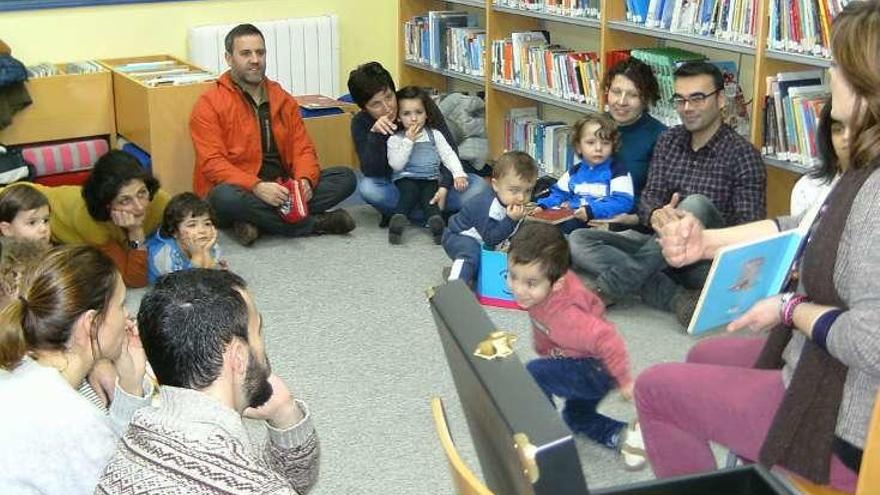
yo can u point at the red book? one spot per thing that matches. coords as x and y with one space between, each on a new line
552 216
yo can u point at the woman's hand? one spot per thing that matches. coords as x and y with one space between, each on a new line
764 315
439 198
102 379
384 125
132 225
681 240
461 183
131 364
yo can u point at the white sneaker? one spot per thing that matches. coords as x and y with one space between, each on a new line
632 449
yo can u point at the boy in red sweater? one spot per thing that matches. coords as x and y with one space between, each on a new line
582 356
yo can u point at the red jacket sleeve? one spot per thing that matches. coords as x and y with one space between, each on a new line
211 152
131 263
303 157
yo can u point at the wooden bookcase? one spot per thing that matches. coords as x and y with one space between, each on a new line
65 106
610 32
157 120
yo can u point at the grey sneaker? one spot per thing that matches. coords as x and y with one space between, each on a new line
684 304
245 233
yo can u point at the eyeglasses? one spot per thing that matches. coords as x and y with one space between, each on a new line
694 99
619 94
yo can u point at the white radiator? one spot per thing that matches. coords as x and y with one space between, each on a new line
301 54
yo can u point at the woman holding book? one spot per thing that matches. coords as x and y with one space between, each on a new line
802 397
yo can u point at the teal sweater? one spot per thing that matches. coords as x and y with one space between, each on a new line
636 148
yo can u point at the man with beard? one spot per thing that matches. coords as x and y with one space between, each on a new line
252 149
203 337
702 166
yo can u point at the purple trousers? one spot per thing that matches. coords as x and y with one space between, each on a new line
714 396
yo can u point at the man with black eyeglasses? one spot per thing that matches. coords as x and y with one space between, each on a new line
702 166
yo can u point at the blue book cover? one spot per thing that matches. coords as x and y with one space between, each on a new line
745 273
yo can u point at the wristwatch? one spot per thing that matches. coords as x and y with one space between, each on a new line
135 244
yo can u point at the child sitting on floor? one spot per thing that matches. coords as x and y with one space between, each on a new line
491 217
597 187
187 238
415 154
582 355
24 214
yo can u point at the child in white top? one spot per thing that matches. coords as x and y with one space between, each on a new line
415 153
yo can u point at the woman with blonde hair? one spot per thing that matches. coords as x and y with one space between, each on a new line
801 397
68 314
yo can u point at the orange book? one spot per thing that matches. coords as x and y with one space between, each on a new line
825 22
508 62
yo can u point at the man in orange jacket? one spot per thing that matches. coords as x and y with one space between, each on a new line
249 137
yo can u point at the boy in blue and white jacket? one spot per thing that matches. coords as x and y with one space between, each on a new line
491 217
596 187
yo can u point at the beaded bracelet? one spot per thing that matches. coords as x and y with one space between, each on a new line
788 309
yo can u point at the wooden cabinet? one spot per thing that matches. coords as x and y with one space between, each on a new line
65 106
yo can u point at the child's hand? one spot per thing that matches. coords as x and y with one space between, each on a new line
516 212
581 214
461 183
627 391
439 198
414 132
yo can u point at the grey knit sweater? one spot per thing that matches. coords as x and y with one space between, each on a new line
193 444
854 339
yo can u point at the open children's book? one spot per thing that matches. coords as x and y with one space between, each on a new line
552 216
745 273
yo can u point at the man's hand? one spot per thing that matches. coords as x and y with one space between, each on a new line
439 198
384 125
666 214
460 183
281 411
414 132
681 241
516 212
306 189
764 315
271 193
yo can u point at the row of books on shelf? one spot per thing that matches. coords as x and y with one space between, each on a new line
528 60
441 36
792 106
165 72
571 8
548 142
727 20
46 69
802 26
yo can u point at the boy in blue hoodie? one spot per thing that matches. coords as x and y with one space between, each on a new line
492 216
596 187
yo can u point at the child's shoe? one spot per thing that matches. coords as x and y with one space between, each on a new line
395 228
632 449
436 224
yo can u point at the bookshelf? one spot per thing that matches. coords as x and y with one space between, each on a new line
612 31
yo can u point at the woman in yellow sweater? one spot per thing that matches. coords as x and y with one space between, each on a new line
117 208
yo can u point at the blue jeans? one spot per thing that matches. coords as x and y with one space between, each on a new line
582 383
382 194
234 204
467 249
627 263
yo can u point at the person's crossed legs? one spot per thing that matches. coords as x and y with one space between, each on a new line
234 204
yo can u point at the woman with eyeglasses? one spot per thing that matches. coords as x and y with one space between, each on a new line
631 90
118 207
68 314
802 395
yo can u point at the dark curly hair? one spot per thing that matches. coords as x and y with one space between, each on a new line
367 80
113 171
542 243
182 206
607 130
641 76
